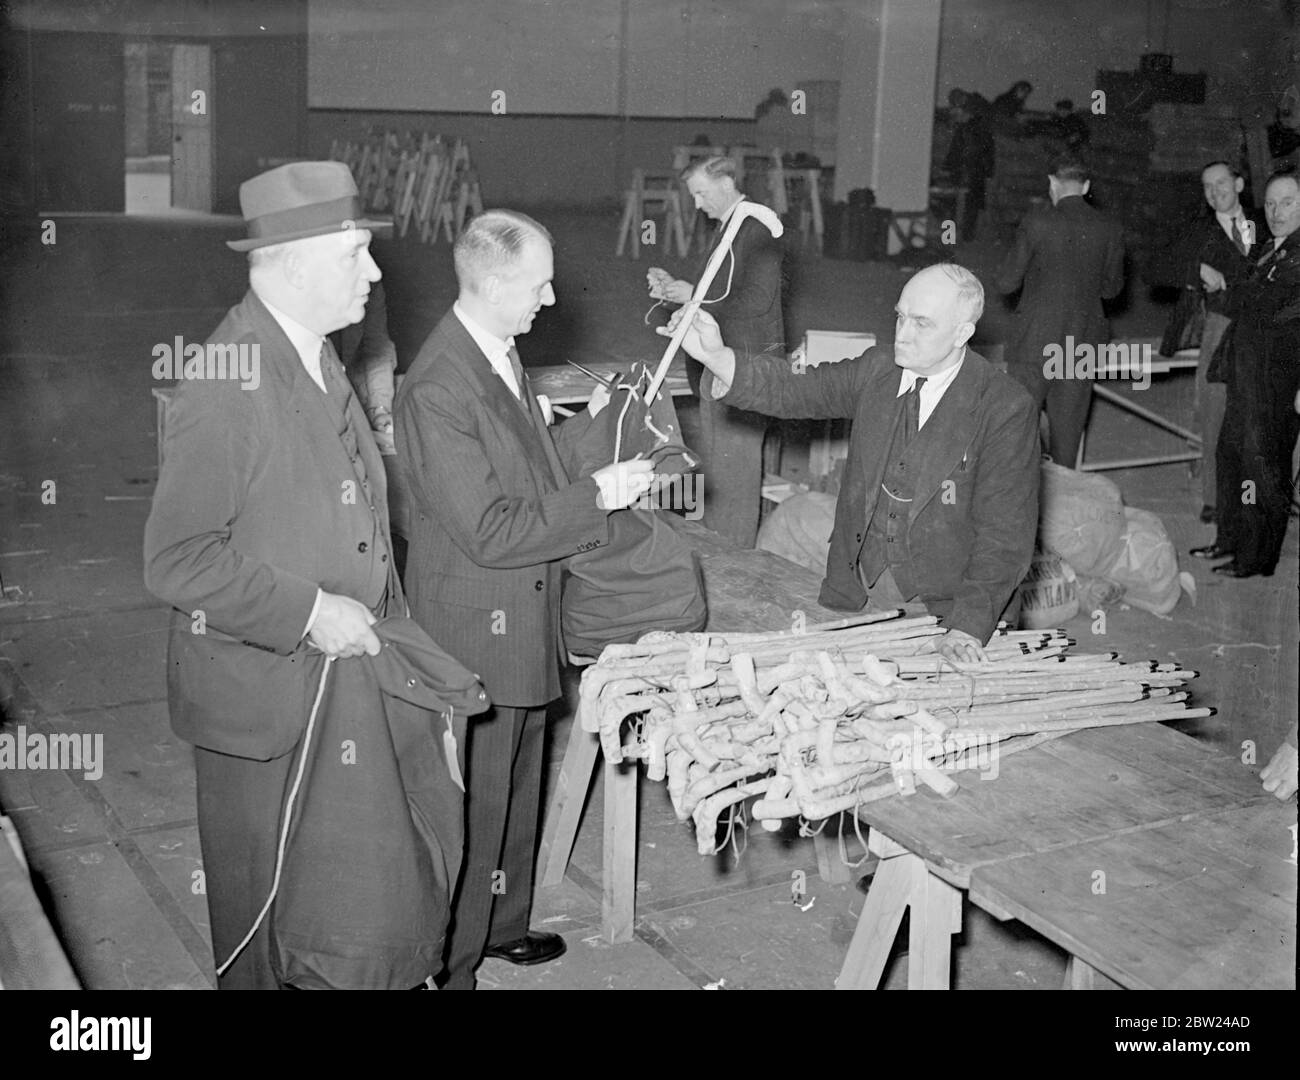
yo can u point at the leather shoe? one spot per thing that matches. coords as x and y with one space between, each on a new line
1210 551
532 948
1207 515
1232 570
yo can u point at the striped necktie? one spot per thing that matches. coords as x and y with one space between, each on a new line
518 369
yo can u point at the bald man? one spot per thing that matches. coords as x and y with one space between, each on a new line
940 496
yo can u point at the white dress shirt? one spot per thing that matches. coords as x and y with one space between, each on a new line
306 343
933 390
496 350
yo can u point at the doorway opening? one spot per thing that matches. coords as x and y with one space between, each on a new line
167 116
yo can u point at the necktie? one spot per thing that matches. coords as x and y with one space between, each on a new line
518 369
1239 236
912 410
1270 249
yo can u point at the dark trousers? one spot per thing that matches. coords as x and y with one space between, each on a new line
239 812
1254 476
1211 399
731 465
1067 401
503 786
973 204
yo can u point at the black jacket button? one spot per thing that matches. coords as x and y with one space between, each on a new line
538 586
363 547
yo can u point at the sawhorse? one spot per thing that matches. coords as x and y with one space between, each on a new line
618 858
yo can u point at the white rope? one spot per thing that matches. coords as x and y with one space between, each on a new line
288 818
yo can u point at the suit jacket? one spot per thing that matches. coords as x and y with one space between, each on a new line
249 518
1260 353
1209 244
750 315
969 542
1068 258
493 516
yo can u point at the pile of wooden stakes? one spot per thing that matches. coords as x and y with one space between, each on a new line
820 722
424 182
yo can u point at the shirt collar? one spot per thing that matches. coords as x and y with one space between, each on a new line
307 343
727 216
491 345
934 384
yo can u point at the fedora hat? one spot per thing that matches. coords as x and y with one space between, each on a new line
298 200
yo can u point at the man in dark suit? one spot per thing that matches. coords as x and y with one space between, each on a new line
745 299
1261 356
1067 259
940 496
971 157
269 530
493 517
1220 247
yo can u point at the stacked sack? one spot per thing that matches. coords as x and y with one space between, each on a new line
1114 550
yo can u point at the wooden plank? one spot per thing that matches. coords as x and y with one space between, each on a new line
565 812
935 917
1081 976
618 896
1157 746
1061 794
873 938
1174 777
1203 903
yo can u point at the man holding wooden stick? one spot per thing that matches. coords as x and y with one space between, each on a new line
940 497
745 299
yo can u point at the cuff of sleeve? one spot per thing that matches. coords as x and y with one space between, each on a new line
315 610
712 386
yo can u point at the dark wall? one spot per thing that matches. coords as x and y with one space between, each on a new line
540 160
79 146
57 157
260 110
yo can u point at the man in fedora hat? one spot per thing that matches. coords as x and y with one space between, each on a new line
269 533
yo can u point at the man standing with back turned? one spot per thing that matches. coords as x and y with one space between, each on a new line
1069 258
493 517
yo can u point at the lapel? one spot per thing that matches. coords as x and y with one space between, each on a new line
543 434
951 429
737 246
470 361
304 409
878 430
